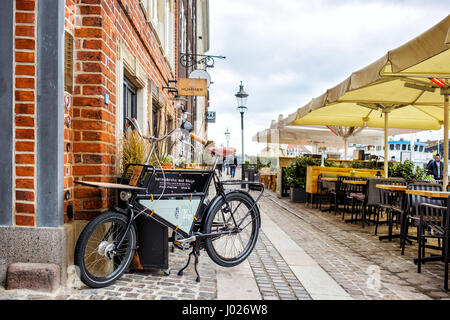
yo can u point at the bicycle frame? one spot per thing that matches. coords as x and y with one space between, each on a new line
190 194
140 200
177 199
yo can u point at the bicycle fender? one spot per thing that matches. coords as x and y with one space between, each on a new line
125 213
256 205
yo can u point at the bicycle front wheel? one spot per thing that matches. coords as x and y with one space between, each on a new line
100 261
235 229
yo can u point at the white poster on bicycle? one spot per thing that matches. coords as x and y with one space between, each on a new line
178 212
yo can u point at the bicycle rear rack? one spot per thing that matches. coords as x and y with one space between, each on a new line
257 186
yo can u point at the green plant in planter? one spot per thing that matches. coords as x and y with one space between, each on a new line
296 171
372 164
167 159
357 164
408 171
260 165
133 148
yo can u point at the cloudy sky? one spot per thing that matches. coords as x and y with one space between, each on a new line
288 52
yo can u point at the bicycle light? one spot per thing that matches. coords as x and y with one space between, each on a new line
125 195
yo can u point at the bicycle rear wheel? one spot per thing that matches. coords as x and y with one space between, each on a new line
100 262
240 226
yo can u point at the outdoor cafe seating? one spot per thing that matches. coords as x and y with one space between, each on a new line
376 201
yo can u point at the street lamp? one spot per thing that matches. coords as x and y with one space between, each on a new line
227 138
241 98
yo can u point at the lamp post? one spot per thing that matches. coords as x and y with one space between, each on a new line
241 98
227 138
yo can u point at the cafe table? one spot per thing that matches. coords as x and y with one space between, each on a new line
429 193
397 192
391 187
359 182
329 179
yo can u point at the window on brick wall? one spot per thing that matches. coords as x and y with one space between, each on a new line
170 127
129 101
155 121
161 15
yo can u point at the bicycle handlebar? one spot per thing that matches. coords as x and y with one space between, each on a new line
197 138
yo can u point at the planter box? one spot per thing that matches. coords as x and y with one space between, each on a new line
298 195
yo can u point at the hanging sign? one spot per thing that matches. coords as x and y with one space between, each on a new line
211 116
191 87
201 74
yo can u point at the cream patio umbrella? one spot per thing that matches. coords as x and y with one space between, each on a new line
329 136
406 88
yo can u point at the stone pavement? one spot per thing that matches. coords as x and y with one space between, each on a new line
301 254
364 266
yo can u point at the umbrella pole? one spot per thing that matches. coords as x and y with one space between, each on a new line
345 149
445 175
386 147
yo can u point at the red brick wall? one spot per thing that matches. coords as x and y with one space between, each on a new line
97 26
69 23
25 115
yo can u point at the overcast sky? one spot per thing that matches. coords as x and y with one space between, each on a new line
288 52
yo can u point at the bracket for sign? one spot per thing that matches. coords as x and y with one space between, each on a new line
170 88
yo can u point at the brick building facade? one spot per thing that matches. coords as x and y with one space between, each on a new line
74 69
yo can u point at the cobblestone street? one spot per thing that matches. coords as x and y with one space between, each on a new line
329 254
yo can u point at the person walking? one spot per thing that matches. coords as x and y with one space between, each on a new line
219 168
233 167
435 168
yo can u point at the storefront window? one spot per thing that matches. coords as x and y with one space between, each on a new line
155 122
129 101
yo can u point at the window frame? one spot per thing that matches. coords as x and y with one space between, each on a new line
128 86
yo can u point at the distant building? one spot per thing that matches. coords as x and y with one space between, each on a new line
435 147
401 150
295 150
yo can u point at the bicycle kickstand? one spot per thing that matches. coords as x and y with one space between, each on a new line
195 252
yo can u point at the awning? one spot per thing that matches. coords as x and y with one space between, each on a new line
327 136
393 92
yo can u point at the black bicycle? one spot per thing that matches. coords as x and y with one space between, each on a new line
226 226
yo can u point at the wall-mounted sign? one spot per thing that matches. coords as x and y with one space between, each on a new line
191 87
211 116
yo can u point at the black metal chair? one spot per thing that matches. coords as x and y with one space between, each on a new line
337 195
433 223
372 201
411 215
325 188
355 194
392 203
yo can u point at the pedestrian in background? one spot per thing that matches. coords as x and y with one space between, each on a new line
219 167
436 168
233 167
